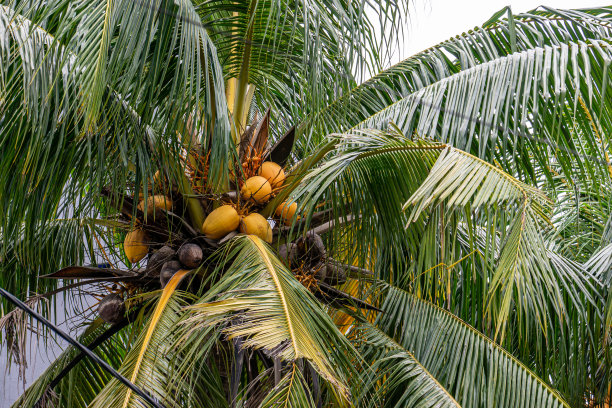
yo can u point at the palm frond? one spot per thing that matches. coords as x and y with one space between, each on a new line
396 379
600 264
297 56
102 90
259 301
502 35
291 391
49 247
495 121
86 379
147 363
369 176
459 179
474 369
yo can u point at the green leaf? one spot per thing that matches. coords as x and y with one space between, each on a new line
397 378
260 301
292 391
475 370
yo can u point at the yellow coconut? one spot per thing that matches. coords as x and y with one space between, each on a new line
135 245
273 173
221 222
155 202
286 212
256 224
256 189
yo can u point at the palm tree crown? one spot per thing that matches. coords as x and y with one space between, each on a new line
258 229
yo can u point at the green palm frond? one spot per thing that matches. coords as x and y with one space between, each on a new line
580 218
295 56
473 180
499 36
524 276
523 272
459 179
260 301
86 379
496 121
607 231
60 241
291 391
399 379
474 369
364 175
67 136
148 362
108 91
600 264
370 175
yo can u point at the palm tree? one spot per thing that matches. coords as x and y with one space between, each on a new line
437 236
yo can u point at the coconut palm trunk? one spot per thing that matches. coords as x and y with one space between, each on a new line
255 228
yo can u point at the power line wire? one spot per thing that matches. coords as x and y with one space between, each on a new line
137 390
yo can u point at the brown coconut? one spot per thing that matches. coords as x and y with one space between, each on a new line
309 250
168 271
190 255
157 259
111 308
284 253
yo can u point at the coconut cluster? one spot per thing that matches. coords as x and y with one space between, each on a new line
231 214
243 215
169 235
161 267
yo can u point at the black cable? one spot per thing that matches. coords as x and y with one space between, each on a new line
146 396
115 328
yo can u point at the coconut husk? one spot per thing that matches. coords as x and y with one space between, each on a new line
168 270
157 260
112 308
284 253
190 255
331 274
308 250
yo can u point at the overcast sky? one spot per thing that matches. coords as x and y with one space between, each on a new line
432 21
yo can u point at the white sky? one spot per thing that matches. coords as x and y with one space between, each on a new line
433 21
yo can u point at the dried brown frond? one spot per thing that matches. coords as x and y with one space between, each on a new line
16 325
49 399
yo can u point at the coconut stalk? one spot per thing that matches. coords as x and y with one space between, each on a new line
194 207
297 174
244 92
